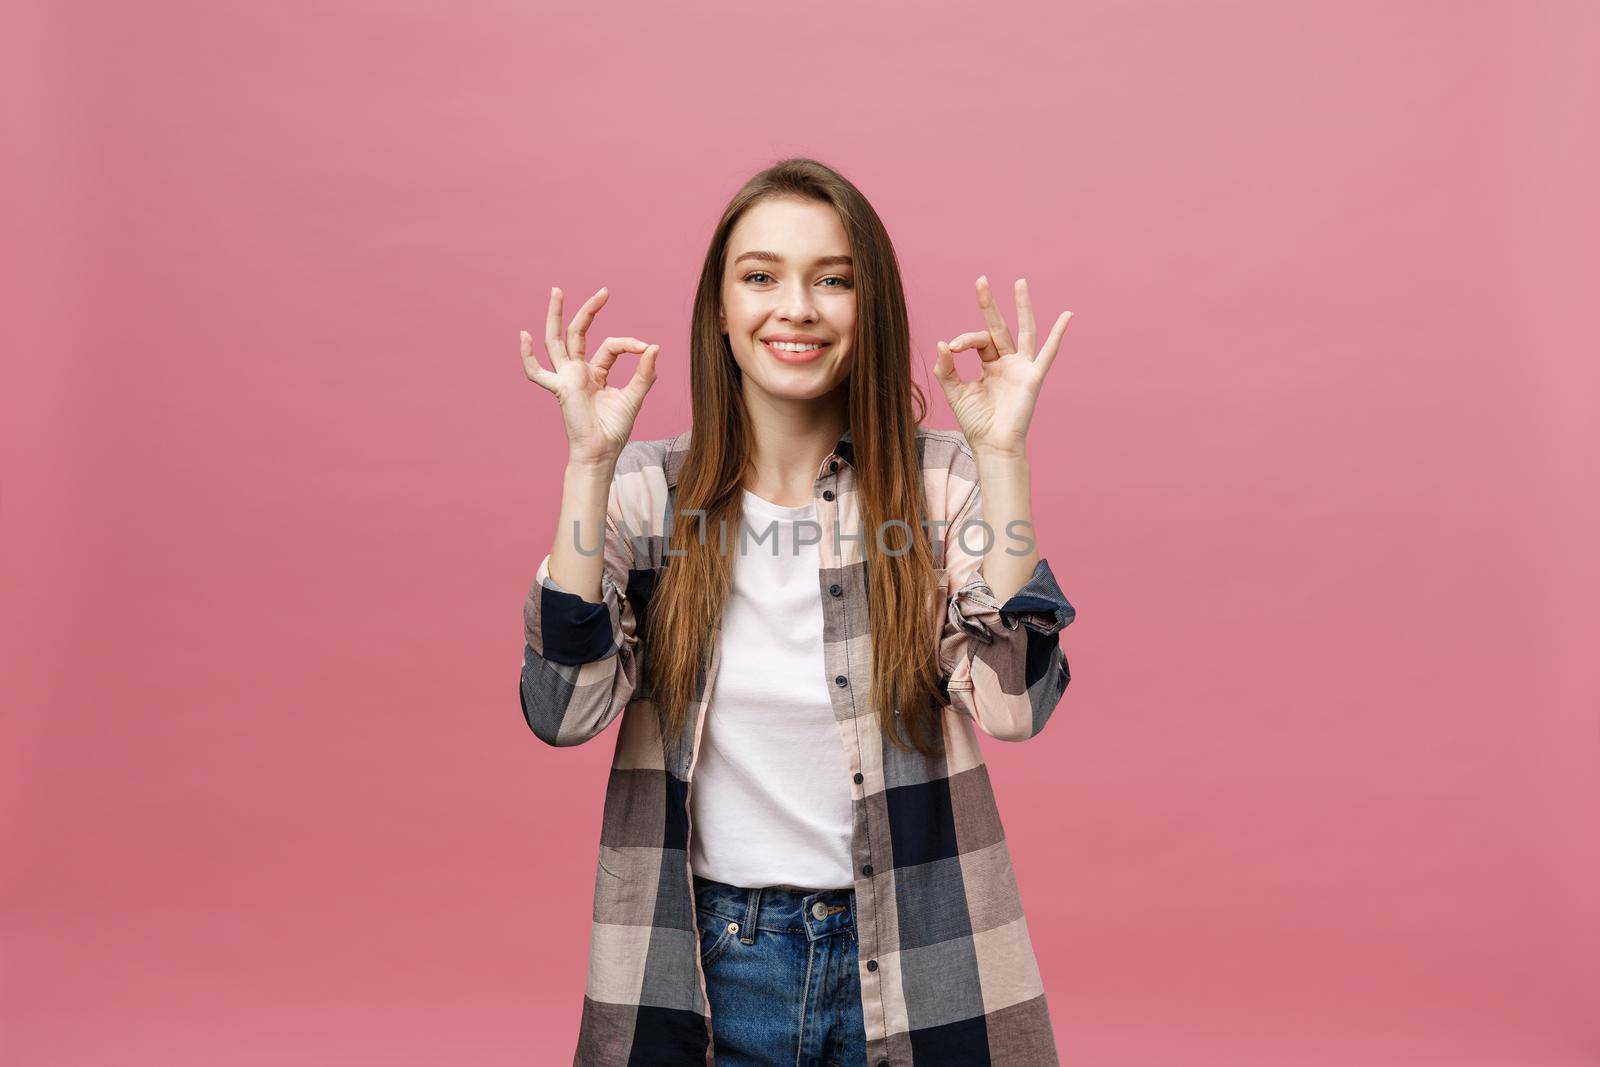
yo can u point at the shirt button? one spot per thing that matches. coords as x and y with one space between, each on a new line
858 777
836 589
839 680
827 494
833 465
867 870
872 965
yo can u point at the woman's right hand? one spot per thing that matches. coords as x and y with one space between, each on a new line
598 417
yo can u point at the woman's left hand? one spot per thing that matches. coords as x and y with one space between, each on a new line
994 409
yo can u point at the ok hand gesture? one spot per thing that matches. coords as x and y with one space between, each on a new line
994 409
598 417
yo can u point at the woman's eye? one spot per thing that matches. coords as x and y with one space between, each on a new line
760 275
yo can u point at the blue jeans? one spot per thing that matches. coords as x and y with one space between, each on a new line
780 965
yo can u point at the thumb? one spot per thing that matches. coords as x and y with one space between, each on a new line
944 369
644 376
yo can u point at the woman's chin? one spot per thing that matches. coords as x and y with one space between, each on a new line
794 386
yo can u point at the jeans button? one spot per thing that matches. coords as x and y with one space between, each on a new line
733 928
819 910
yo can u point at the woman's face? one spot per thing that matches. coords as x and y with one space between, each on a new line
788 276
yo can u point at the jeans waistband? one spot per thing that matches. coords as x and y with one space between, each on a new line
779 909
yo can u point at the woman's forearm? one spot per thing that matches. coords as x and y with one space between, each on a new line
1007 496
585 489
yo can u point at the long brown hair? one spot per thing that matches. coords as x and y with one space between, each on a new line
687 604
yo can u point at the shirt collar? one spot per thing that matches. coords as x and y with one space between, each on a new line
844 449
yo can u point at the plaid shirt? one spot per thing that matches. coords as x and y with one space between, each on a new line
948 974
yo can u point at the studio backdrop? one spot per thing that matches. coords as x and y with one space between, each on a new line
1315 465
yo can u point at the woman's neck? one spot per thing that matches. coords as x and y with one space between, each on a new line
790 439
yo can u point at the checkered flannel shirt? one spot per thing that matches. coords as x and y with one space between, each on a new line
947 969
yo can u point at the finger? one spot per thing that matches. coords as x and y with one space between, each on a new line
612 348
1047 354
944 369
581 321
991 315
644 376
530 362
552 330
979 339
1025 323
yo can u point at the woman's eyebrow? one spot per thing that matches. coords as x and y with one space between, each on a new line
773 257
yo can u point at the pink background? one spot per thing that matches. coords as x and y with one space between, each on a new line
1316 465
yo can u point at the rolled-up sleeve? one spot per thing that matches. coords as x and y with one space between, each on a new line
580 660
1004 663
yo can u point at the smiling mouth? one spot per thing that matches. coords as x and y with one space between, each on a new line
787 355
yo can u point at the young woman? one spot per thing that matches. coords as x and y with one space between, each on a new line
802 607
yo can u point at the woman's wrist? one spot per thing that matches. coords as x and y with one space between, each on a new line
591 470
1002 468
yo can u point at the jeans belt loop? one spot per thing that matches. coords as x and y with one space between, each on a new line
752 911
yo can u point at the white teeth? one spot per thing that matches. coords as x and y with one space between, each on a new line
792 346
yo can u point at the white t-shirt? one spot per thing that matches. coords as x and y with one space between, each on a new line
770 802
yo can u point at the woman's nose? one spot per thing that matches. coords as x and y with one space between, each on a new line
798 309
